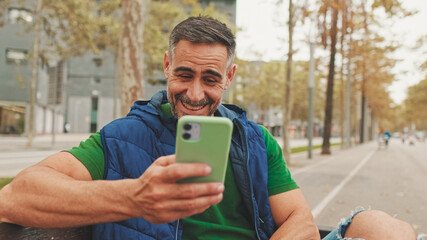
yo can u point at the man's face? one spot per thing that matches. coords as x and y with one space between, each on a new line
197 76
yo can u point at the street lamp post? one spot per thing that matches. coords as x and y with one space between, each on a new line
310 100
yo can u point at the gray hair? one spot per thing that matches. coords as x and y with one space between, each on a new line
203 30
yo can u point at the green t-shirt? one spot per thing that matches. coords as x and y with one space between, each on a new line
227 220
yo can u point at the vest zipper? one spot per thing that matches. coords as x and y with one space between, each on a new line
177 229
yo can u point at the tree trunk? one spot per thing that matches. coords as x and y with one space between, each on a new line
342 100
363 97
131 53
34 68
116 93
330 87
288 87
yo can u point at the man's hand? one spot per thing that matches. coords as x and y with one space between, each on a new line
159 199
58 192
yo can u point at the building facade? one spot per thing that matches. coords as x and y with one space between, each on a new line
80 95
15 78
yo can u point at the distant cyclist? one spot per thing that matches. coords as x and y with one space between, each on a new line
386 137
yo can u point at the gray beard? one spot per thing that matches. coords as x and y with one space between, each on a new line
179 97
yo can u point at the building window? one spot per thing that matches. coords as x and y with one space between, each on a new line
97 61
56 83
17 56
19 15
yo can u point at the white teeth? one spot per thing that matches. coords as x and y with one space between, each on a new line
192 108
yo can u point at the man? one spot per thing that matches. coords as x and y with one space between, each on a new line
135 194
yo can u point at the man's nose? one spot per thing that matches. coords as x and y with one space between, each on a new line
195 91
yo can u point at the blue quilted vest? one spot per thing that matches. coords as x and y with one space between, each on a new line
131 144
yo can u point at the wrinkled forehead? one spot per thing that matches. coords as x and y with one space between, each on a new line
188 48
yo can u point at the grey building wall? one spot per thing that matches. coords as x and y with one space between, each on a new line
90 76
15 77
79 111
13 37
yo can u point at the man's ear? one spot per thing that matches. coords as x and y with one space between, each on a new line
166 65
230 75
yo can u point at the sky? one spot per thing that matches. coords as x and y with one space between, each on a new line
263 36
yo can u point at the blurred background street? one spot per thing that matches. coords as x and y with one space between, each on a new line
62 78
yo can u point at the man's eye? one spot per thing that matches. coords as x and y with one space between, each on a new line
209 80
185 76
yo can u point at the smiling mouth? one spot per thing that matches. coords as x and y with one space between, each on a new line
192 107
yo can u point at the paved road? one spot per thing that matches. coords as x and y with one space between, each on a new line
393 180
14 156
40 143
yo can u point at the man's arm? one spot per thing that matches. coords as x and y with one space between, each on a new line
293 216
59 192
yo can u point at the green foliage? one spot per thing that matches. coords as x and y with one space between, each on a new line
369 52
300 93
391 7
196 10
160 22
68 27
373 63
305 148
416 105
162 17
263 83
108 25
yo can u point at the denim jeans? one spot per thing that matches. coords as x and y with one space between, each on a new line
338 233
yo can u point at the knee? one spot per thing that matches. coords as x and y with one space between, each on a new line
374 224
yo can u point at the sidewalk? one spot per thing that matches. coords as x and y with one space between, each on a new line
304 141
42 142
66 141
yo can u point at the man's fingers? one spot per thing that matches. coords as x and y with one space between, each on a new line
175 171
187 191
176 209
178 171
197 205
188 205
194 190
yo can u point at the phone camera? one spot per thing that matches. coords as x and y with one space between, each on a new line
187 126
186 136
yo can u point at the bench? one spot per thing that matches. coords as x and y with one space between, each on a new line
16 232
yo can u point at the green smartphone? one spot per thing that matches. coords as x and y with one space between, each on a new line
202 139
